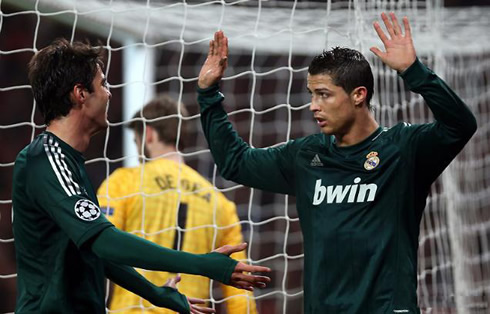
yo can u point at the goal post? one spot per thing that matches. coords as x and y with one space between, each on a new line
138 64
163 45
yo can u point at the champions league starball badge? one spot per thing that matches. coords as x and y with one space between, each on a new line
87 210
372 161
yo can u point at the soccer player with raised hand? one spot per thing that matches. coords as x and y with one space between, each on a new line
64 247
360 188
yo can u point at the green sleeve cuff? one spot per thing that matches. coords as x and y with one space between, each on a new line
416 74
219 268
210 96
172 299
130 279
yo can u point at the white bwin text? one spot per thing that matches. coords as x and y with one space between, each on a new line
337 193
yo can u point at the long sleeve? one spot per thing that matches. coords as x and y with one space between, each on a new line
269 169
130 279
127 249
436 144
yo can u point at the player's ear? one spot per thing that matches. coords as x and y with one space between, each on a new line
358 95
137 140
150 134
78 94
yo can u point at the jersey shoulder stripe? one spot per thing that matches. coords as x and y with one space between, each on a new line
404 130
65 167
380 134
312 142
56 159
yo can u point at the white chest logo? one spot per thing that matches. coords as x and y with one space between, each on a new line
87 210
352 193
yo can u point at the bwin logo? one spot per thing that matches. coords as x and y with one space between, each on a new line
338 193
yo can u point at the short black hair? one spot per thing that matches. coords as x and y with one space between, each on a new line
56 69
347 67
167 128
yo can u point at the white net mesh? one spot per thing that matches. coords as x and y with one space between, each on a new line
271 44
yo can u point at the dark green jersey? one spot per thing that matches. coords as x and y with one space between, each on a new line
359 206
55 213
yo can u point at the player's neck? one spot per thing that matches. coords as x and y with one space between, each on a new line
168 152
358 132
70 132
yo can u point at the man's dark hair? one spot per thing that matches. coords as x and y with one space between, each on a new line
56 69
347 67
157 111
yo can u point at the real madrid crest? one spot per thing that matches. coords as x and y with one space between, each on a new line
372 161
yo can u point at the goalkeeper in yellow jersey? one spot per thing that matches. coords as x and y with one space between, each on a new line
160 194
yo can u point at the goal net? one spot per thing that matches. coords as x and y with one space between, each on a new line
157 46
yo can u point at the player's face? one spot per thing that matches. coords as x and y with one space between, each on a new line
98 100
332 107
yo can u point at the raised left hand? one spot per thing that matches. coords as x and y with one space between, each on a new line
400 51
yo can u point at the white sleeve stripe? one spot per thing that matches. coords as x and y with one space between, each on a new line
53 148
60 167
65 168
62 170
53 166
77 187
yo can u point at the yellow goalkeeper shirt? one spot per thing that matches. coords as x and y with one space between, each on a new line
151 201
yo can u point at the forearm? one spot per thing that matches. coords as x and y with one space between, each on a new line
131 280
448 109
235 159
225 144
127 249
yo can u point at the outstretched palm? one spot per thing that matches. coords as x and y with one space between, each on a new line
241 277
400 52
216 62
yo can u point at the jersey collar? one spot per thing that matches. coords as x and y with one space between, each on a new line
361 146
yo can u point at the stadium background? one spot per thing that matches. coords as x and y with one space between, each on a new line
276 241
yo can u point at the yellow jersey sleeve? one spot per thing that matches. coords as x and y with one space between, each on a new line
113 195
237 300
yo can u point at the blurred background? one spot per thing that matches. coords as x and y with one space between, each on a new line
156 46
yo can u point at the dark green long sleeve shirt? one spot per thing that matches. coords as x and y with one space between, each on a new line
63 243
359 206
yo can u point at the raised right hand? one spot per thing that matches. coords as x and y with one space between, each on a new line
216 62
400 51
